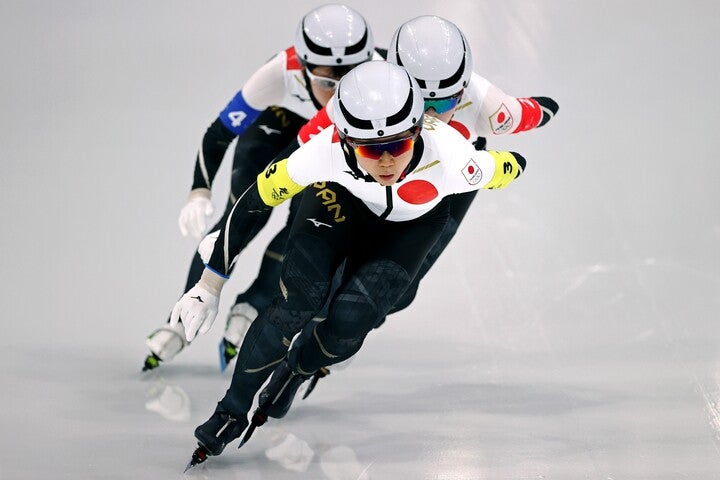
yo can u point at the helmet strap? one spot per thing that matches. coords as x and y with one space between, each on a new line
309 89
352 162
418 150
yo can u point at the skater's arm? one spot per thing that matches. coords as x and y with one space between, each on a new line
508 166
502 114
264 88
246 219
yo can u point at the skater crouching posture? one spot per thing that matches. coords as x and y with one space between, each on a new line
436 53
265 116
377 188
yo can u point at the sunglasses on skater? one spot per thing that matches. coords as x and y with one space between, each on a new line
442 105
323 83
374 151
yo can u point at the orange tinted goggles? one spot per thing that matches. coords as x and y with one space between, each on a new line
374 151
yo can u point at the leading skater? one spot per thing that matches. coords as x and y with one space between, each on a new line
378 188
437 54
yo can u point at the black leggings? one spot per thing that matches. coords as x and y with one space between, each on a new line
381 259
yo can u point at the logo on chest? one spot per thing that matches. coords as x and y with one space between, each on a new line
329 199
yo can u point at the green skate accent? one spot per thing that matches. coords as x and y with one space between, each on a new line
151 361
227 351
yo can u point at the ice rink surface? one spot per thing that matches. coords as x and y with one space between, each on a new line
570 331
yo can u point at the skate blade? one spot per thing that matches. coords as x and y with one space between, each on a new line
258 419
198 457
310 387
323 372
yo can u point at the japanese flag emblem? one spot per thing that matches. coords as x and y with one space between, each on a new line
501 121
472 172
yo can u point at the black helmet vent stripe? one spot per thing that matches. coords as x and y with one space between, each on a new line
353 120
448 82
327 52
397 50
314 47
358 47
404 112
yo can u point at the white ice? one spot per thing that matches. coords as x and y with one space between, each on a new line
569 332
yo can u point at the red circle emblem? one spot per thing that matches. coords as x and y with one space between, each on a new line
462 129
501 117
417 192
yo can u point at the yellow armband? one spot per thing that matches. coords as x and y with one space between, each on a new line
275 185
508 166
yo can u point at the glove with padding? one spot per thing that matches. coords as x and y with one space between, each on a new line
193 214
198 308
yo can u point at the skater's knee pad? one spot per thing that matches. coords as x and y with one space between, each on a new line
354 311
366 299
266 346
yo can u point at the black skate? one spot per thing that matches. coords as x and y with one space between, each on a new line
213 435
275 399
323 372
221 429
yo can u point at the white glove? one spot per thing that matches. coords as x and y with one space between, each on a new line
192 215
197 309
207 245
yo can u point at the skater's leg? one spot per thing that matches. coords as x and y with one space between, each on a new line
459 205
377 279
311 259
259 295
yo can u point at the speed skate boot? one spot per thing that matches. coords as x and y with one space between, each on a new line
238 321
277 397
221 429
164 344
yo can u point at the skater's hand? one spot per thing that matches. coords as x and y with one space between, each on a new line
193 214
197 310
549 109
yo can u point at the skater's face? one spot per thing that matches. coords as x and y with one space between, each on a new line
385 159
323 82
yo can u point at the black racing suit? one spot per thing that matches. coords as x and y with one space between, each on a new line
381 259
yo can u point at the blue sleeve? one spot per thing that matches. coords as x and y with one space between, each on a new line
238 115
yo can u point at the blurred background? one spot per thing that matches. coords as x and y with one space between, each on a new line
570 331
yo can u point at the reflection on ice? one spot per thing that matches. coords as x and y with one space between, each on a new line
341 463
290 451
170 401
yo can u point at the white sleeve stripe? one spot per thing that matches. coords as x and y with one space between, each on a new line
203 168
226 238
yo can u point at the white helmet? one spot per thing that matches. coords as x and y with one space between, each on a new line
333 35
435 52
377 99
